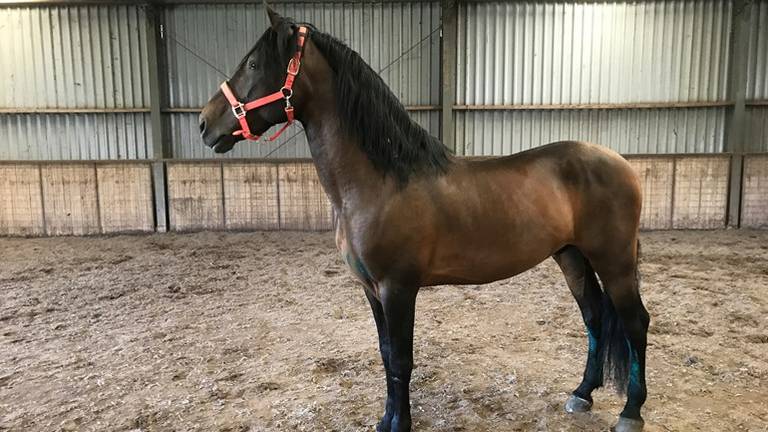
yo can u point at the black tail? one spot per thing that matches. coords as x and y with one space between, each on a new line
614 345
613 348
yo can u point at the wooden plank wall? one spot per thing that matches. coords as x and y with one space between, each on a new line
21 202
303 203
195 196
251 196
125 197
70 200
75 198
246 195
754 204
683 192
656 176
680 192
701 192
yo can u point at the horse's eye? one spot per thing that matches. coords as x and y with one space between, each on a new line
252 65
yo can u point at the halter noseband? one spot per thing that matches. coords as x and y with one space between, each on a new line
239 109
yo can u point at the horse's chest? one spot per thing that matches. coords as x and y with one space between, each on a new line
353 260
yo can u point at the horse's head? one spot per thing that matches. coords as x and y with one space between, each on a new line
262 72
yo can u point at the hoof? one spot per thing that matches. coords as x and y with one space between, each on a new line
575 404
628 425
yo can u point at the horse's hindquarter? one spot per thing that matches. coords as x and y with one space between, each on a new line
496 218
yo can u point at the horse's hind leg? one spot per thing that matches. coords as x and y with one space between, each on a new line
627 333
583 283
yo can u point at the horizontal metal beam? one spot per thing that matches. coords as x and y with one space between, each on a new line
102 2
639 105
73 110
74 161
12 3
8 3
606 106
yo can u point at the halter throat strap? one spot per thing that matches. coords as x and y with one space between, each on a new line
240 109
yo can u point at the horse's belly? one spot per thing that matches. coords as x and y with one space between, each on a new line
481 259
467 270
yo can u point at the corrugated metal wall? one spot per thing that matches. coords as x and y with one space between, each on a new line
75 136
74 58
757 79
557 53
646 131
94 58
204 38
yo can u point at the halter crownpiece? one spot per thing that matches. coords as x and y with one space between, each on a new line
239 109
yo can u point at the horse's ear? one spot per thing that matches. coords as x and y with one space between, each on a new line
274 18
284 29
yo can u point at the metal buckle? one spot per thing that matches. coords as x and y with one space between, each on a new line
239 110
287 93
293 66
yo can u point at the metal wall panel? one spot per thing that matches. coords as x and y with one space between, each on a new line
74 136
655 131
206 42
756 140
429 120
564 53
592 52
73 57
757 79
757 69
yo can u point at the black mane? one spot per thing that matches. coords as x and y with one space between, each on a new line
369 111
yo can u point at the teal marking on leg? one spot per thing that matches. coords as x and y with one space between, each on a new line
357 266
634 367
592 341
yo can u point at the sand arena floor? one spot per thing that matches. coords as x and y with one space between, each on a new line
269 332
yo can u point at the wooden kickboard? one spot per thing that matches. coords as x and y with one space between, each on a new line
250 196
701 192
303 203
125 197
754 211
195 196
21 204
70 199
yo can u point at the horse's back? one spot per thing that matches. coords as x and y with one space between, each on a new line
590 189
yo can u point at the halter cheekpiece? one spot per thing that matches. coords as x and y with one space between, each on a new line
239 109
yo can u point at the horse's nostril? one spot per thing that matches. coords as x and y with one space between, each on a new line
202 127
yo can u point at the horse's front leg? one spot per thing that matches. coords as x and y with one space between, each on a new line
399 304
381 327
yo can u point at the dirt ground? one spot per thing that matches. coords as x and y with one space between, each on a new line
269 332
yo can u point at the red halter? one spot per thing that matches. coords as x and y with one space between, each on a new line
239 109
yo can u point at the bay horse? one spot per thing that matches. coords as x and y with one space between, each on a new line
408 214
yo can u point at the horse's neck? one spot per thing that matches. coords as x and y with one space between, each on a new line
345 172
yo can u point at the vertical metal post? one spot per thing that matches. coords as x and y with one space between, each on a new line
160 147
449 18
735 122
160 193
154 50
